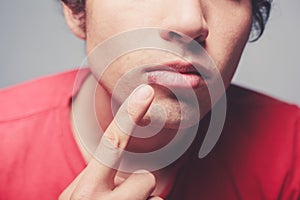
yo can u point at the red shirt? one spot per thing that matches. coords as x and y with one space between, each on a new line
257 156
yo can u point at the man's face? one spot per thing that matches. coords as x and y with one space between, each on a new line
221 27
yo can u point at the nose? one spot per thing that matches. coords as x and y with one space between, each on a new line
185 18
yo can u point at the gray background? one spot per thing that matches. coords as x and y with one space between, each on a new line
35 41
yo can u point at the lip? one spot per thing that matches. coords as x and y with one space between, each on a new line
178 74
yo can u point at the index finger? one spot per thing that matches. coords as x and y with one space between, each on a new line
100 172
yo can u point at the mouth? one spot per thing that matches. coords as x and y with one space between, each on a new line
178 74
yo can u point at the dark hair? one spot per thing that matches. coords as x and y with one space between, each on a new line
261 12
260 9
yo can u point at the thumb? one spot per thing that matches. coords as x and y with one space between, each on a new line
140 184
154 198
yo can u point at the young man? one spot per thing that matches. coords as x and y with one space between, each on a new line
49 125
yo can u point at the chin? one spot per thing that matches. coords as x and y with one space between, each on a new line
171 114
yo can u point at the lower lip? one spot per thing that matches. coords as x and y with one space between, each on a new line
175 79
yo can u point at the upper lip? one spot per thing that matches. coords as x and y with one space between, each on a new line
183 68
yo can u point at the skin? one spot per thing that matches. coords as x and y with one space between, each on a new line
222 28
214 22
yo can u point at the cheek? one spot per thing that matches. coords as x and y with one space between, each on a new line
100 22
125 71
227 39
107 18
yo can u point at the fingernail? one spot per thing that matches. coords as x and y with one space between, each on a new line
143 92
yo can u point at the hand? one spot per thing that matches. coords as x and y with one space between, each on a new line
97 181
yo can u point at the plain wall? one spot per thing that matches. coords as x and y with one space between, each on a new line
35 41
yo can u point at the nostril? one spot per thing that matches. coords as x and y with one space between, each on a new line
174 35
170 35
201 39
